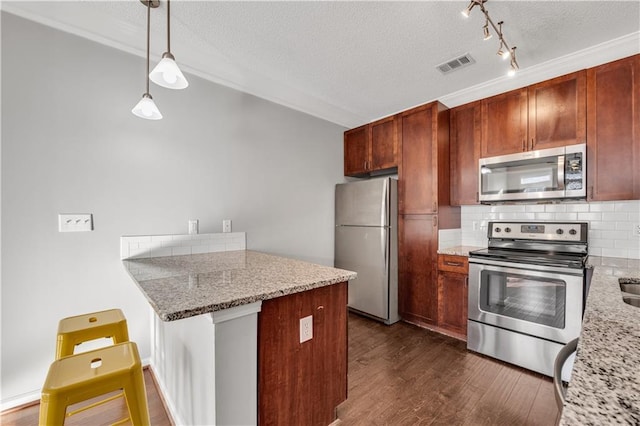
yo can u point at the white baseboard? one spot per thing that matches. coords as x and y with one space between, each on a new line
169 404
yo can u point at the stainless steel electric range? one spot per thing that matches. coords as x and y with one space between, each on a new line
527 291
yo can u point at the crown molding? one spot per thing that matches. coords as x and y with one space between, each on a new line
599 54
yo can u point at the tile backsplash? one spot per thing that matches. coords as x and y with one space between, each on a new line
613 225
142 246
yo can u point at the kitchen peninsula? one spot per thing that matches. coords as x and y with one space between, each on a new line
226 336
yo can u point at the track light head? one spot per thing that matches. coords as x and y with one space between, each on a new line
485 29
467 11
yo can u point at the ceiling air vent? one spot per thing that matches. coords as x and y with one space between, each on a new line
456 64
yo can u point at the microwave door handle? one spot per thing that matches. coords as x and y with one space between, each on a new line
561 172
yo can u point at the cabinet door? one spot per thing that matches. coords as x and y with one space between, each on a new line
504 123
417 286
613 142
384 144
557 112
465 151
452 300
356 151
302 383
418 167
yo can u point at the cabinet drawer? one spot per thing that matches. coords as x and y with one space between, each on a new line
451 263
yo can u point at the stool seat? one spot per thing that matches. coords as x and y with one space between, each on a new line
82 328
83 376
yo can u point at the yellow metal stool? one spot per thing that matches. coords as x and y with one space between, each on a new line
86 375
82 328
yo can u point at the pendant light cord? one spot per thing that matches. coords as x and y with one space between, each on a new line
168 26
148 39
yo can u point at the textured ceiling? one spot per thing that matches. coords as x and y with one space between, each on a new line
348 62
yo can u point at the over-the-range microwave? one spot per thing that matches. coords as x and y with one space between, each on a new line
554 173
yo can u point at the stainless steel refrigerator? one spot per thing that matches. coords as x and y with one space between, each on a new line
366 241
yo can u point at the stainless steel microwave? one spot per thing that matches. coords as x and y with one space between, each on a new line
554 173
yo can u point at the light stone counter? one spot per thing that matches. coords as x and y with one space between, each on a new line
459 250
184 286
605 382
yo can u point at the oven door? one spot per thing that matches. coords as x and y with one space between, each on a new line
536 300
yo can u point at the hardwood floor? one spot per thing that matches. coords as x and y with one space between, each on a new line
404 375
398 375
105 414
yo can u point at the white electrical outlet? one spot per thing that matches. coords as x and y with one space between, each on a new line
306 328
226 225
78 222
193 226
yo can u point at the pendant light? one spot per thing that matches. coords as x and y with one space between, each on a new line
166 73
146 108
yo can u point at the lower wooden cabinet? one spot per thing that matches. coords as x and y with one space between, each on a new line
453 283
302 383
417 247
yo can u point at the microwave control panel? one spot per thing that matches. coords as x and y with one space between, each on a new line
548 231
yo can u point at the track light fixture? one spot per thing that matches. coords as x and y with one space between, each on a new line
504 51
146 108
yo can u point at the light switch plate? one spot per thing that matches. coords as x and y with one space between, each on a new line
226 225
75 222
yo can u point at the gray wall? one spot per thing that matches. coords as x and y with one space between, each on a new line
71 145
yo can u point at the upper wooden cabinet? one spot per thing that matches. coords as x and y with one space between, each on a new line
613 133
504 123
371 148
423 172
356 151
465 133
544 115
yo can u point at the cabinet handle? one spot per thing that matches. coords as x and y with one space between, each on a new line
435 221
446 262
434 206
591 192
477 197
524 142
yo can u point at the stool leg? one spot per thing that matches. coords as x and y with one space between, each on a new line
136 398
52 411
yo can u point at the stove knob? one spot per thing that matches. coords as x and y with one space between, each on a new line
497 229
559 231
573 232
507 229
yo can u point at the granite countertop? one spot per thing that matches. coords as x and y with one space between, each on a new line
458 250
184 286
605 382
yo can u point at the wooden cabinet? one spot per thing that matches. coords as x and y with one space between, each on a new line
285 395
453 282
417 287
504 123
424 207
423 172
371 148
613 143
557 112
465 133
356 151
545 115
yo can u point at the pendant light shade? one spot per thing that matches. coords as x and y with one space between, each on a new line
166 73
146 108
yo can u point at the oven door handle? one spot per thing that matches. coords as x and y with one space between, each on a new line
527 266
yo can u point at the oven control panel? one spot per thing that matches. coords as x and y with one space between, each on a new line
548 231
